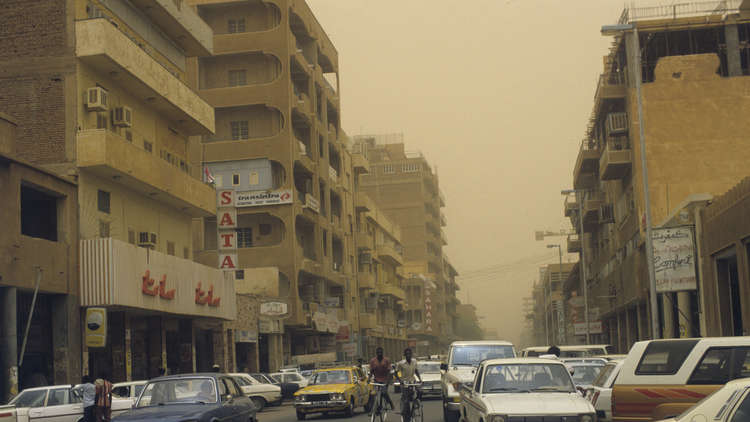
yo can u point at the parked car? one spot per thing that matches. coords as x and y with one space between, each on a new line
290 378
431 374
128 390
584 374
191 397
287 388
523 389
261 394
662 378
593 361
58 403
464 357
730 403
340 389
572 351
600 393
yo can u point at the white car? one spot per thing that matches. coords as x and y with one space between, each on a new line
463 360
431 374
523 389
291 378
584 374
57 403
577 351
600 393
128 390
260 393
730 403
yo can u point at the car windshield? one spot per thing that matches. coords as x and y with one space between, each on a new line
428 367
34 398
261 378
586 374
276 377
331 377
601 379
241 381
473 354
510 378
181 390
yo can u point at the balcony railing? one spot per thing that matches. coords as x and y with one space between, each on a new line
616 158
332 173
586 164
574 243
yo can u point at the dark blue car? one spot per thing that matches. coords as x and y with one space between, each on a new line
191 398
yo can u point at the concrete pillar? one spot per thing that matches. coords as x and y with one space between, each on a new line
8 344
66 339
275 351
668 328
685 324
220 348
734 65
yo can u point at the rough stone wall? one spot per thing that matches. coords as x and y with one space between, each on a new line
32 28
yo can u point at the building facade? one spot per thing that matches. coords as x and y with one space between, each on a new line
273 81
405 187
38 273
692 72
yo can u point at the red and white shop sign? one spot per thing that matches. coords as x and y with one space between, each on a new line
228 261
227 240
227 218
225 198
226 222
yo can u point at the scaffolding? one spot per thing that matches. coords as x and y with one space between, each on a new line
679 10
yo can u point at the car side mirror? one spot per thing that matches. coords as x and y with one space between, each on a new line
443 366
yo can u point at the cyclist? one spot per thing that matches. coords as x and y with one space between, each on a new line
409 372
380 369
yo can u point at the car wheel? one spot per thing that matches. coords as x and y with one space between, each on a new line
259 403
350 408
300 416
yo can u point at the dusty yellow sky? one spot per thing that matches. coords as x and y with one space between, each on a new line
496 94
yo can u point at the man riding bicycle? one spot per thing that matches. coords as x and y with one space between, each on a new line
380 369
409 373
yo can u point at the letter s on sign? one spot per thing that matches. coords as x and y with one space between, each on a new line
225 198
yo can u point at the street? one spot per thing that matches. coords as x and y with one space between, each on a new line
433 412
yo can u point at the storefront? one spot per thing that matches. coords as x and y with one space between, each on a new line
162 311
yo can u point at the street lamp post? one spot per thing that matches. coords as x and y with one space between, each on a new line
584 282
559 276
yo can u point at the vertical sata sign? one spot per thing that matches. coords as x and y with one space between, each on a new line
226 225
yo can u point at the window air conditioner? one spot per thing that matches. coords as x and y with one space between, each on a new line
606 214
122 116
96 99
147 239
617 123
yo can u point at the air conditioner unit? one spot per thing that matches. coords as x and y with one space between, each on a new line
97 99
617 123
606 214
147 239
122 116
365 258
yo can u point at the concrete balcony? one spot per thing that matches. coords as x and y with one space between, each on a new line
368 321
443 237
180 22
366 280
574 243
591 205
360 164
611 87
302 103
391 290
362 202
364 240
586 164
616 160
105 48
571 205
391 253
110 156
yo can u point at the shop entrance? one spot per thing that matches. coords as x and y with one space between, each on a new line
263 352
37 368
729 295
204 350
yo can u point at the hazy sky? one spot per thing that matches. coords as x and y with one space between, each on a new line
496 94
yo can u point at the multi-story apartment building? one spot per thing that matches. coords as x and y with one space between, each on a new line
382 298
405 187
98 88
273 80
694 58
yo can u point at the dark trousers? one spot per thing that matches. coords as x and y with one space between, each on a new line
88 413
103 414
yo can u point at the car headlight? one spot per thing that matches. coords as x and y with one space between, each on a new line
337 396
587 418
498 418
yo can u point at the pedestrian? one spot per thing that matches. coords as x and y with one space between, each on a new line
216 368
554 350
87 391
103 398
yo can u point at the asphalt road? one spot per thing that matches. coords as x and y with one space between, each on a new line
433 412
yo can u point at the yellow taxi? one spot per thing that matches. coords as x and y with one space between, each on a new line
340 389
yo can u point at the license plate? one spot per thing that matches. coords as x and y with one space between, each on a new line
319 403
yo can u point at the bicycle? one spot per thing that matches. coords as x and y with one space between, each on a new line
379 412
414 412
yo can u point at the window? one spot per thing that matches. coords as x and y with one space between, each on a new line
721 365
237 77
170 248
186 253
664 357
245 237
235 180
742 413
478 380
254 178
34 398
148 146
264 229
388 169
102 201
239 130
38 214
101 121
239 275
103 228
131 237
58 396
235 25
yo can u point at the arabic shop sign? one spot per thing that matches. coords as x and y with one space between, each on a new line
674 259
260 198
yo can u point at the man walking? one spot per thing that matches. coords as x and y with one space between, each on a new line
380 369
88 398
103 398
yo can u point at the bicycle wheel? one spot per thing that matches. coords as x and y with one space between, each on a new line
417 414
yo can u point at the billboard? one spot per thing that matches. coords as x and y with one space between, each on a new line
674 259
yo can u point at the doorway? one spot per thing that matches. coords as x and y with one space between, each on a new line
728 291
